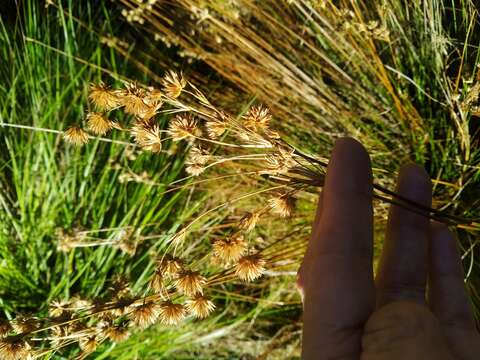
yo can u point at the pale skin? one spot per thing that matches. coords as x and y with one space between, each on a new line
417 306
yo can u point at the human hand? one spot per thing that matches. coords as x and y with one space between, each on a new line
348 315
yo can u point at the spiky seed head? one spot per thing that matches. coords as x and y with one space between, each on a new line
229 250
58 308
156 283
14 349
249 221
283 205
76 136
5 328
182 127
88 344
148 136
145 314
190 282
200 306
173 84
198 155
250 267
24 324
257 118
132 100
104 98
171 313
116 333
194 169
98 123
215 129
171 265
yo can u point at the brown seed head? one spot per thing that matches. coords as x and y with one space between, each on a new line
249 220
183 127
132 100
24 324
104 98
76 136
215 129
88 344
5 327
190 283
14 349
98 123
148 136
200 306
145 314
250 267
171 314
257 118
170 265
58 308
116 333
230 250
282 205
156 283
173 84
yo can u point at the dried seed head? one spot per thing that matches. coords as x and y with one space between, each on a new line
5 328
103 97
230 250
215 129
145 314
280 162
170 265
200 306
173 84
148 136
88 344
190 283
171 314
250 267
132 100
98 123
156 283
76 136
58 308
198 155
116 333
249 220
282 205
183 127
257 118
194 169
24 324
14 349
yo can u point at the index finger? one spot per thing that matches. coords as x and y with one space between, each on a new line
337 270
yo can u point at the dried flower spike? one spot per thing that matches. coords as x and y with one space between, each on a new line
5 328
88 344
14 349
116 333
76 136
249 220
215 129
173 84
156 283
148 136
257 118
132 100
98 123
283 205
183 127
190 282
170 265
171 314
250 267
200 306
230 250
103 97
145 314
